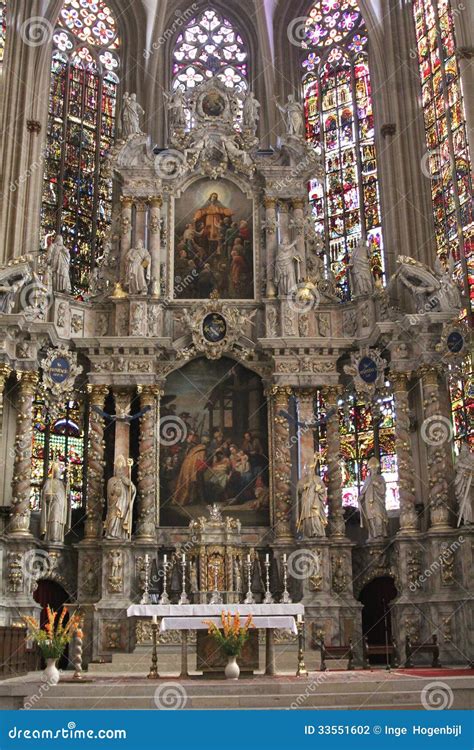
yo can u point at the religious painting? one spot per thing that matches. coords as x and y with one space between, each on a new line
213 247
214 444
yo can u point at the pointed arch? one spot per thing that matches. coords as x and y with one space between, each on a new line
340 120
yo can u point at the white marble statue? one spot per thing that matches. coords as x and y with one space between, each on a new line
292 111
59 263
55 517
193 578
130 115
176 103
237 578
362 280
121 494
285 269
449 288
463 485
373 513
312 496
250 112
138 269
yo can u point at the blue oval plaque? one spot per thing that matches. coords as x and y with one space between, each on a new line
214 328
368 370
455 342
59 369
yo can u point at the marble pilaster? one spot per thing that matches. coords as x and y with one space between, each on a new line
19 522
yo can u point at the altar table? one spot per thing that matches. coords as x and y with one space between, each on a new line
187 617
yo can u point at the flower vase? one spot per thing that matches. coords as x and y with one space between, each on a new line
232 669
51 674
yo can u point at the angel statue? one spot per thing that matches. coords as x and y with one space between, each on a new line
285 270
55 518
130 115
312 496
176 103
250 112
121 493
373 513
463 473
292 111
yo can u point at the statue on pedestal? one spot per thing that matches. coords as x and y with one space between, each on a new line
285 269
59 263
138 269
464 471
130 115
55 518
373 513
292 111
176 103
362 280
250 113
121 493
312 496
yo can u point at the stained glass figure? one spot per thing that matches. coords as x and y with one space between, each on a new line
77 194
461 391
448 162
339 117
3 29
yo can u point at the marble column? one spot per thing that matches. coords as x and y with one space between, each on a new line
405 463
95 467
306 436
298 220
283 221
147 467
435 433
336 516
19 522
281 452
125 232
155 245
123 401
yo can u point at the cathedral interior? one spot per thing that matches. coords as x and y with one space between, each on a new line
236 295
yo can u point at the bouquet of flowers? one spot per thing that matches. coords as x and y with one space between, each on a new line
54 637
232 636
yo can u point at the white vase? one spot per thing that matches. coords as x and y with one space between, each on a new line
232 669
51 674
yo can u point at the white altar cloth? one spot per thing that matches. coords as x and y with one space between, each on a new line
197 623
214 610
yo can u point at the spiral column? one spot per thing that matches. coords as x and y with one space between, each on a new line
95 468
281 456
19 522
436 431
147 468
155 245
336 517
405 463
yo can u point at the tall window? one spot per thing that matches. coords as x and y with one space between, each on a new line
209 46
365 431
461 390
449 160
339 118
77 194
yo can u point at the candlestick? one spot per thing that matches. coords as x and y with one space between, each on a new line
146 585
268 598
301 670
249 598
285 597
164 598
153 673
183 599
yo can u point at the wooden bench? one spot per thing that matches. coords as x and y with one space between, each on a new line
388 650
418 647
334 652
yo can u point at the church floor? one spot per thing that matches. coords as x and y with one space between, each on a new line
356 690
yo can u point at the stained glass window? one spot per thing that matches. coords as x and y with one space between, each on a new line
339 118
62 441
3 29
209 46
365 431
77 194
461 388
448 160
